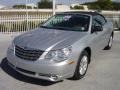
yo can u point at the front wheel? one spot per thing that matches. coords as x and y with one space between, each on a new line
82 66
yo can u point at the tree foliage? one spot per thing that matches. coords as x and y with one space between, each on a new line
103 5
116 6
21 7
45 4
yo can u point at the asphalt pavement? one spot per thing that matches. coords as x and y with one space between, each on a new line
103 72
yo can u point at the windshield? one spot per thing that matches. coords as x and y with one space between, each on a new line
74 22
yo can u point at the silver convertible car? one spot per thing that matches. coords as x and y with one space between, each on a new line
62 47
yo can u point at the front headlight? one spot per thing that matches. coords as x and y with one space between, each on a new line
59 55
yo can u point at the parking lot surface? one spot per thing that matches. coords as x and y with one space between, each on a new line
103 73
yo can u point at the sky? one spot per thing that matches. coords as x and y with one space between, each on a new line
13 2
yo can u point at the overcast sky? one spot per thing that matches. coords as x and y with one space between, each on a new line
12 2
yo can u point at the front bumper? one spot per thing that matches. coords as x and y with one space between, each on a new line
42 69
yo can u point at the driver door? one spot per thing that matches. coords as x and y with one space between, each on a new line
98 37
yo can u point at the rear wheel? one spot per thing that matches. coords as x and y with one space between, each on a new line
108 47
82 66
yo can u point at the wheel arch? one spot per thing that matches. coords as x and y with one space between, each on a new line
88 50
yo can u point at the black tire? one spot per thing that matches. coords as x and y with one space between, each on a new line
77 74
108 47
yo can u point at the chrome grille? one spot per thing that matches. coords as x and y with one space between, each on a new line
27 54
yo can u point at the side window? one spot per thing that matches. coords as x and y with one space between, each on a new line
100 19
95 23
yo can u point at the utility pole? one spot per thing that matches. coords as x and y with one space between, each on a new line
54 3
27 15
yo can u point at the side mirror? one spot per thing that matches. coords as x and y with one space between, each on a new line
96 29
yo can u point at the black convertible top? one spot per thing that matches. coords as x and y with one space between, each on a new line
83 12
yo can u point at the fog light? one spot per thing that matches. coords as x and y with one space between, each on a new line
54 77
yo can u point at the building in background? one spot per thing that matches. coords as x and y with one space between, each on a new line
85 7
2 6
32 5
62 7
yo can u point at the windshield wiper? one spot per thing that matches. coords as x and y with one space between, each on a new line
44 27
54 28
61 28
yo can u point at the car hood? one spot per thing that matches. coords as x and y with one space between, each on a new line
43 39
